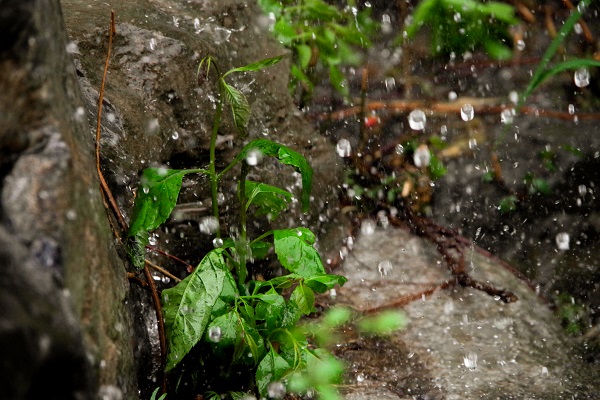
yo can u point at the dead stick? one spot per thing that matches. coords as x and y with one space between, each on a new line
162 271
161 325
103 183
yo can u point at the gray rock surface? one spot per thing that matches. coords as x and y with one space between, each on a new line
460 343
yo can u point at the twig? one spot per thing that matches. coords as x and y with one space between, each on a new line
190 267
163 271
161 325
103 184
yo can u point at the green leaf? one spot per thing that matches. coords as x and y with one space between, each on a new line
259 249
384 323
271 369
551 50
254 342
322 283
240 108
270 309
156 198
304 298
227 297
286 156
436 168
560 67
295 252
336 316
304 55
270 200
256 66
508 204
187 307
137 249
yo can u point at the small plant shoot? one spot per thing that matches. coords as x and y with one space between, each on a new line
249 322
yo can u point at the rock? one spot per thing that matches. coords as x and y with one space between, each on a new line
460 343
64 329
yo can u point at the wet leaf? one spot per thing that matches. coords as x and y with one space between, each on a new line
304 298
295 252
270 200
187 306
260 249
304 55
508 204
254 342
436 168
240 108
137 249
271 369
286 156
256 66
230 327
270 309
155 199
384 323
322 283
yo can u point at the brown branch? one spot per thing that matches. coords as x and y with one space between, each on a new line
161 325
162 271
103 184
190 267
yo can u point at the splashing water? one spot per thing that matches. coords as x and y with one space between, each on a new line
416 120
507 116
466 112
254 157
276 390
368 227
470 360
209 225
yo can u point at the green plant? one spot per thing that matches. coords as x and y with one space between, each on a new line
153 397
458 26
320 33
250 322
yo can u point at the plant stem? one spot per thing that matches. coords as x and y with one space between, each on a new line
214 181
242 270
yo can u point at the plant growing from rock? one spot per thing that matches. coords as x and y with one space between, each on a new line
252 322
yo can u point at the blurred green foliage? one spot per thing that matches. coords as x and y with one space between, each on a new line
320 36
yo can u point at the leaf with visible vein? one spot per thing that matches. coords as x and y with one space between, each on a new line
270 200
187 306
256 66
240 108
295 252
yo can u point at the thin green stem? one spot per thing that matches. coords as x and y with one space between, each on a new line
261 237
212 172
242 269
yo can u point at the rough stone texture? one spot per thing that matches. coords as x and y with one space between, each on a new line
521 350
64 329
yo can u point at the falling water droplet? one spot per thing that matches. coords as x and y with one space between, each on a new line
209 225
152 44
466 112
146 189
581 7
422 156
520 45
470 360
513 96
582 77
416 120
385 267
214 333
571 109
452 95
217 242
562 241
175 135
506 116
343 148
582 189
254 157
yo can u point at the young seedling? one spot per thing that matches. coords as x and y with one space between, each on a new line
251 321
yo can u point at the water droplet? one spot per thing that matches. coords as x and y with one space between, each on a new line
582 189
152 126
165 279
470 360
457 17
513 96
399 149
71 214
214 333
452 95
175 135
368 227
571 109
276 390
146 189
466 112
581 7
544 370
507 116
416 120
152 44
385 267
360 378
562 241
176 22
343 148
422 156
390 83
520 45
196 23
217 242
209 225
332 293
254 157
582 77
577 28
472 143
